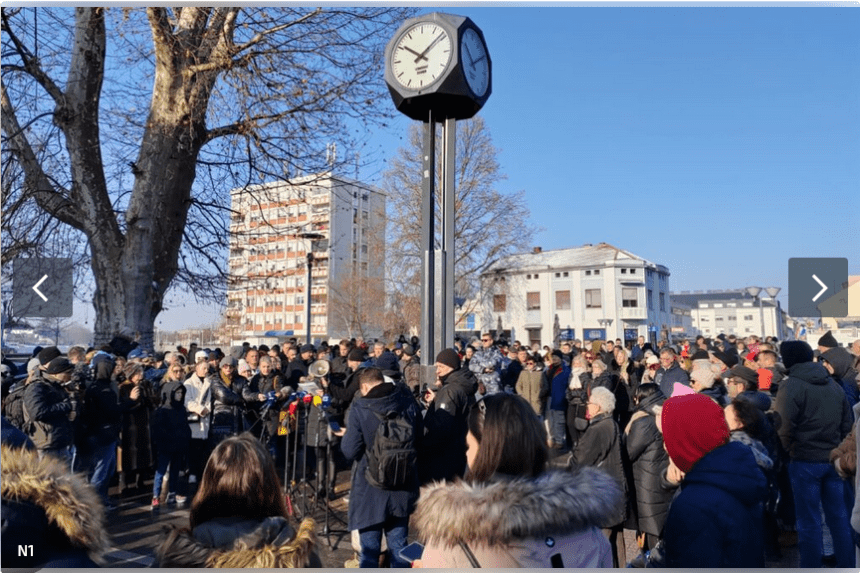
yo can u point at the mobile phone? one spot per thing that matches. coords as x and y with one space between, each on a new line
412 552
334 426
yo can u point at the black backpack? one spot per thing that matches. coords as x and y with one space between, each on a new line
392 459
13 407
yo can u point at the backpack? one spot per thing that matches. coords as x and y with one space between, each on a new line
13 407
392 459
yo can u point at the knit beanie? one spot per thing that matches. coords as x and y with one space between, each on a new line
693 425
795 352
704 376
449 357
727 358
828 340
356 355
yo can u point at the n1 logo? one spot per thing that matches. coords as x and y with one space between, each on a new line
23 551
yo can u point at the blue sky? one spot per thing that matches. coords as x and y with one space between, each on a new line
718 141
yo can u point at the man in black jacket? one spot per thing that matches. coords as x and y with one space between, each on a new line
47 408
443 454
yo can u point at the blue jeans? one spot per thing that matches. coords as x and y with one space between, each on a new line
396 530
817 484
100 466
173 460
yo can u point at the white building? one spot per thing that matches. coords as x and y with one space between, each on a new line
733 312
588 292
273 229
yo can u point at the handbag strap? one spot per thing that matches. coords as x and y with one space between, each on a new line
469 555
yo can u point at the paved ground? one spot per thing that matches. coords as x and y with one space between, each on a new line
135 529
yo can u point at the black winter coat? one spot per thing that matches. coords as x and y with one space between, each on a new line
227 404
649 460
260 384
443 453
170 429
600 447
48 406
102 414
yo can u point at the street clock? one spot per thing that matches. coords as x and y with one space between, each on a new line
438 62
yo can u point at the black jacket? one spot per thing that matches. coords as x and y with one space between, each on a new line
600 447
48 407
443 453
649 460
102 413
169 423
814 411
227 403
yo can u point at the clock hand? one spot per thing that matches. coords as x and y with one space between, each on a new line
469 55
408 49
427 49
479 59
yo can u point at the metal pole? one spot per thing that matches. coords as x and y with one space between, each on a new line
308 301
761 313
428 270
445 336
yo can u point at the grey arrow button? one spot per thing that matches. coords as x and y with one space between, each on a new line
42 287
814 286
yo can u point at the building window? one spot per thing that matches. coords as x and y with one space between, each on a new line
499 302
704 319
719 319
532 301
748 317
629 298
650 299
632 271
535 276
596 272
623 271
557 275
732 317
662 302
562 300
592 298
565 274
528 277
588 273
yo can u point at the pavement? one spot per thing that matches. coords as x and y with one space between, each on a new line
136 530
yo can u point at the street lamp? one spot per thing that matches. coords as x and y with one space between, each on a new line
605 323
755 292
311 237
772 292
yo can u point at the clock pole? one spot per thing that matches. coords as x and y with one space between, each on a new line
438 69
428 232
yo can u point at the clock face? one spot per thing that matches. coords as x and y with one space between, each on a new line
474 60
421 55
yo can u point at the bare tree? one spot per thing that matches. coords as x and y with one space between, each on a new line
489 225
131 126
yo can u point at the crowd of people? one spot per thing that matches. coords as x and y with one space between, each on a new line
714 451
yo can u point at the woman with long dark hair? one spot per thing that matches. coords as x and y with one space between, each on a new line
239 517
510 511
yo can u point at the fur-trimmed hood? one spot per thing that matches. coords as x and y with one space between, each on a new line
240 543
33 488
510 509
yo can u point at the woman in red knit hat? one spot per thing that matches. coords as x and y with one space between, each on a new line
716 519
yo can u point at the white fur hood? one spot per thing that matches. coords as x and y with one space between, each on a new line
505 510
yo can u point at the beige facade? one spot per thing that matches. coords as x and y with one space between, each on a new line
273 229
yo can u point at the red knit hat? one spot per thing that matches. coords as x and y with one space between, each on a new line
693 425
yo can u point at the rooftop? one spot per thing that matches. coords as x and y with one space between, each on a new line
585 256
693 298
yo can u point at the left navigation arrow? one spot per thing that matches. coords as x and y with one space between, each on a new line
36 288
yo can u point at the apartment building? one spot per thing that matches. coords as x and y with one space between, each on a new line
323 228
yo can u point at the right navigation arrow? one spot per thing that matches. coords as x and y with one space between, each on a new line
823 288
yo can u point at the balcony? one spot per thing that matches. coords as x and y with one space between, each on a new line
321 199
632 313
319 272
